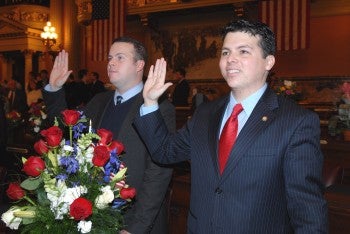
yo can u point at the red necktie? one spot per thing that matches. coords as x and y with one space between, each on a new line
228 136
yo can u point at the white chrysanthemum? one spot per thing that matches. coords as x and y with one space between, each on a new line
84 226
105 198
73 193
10 220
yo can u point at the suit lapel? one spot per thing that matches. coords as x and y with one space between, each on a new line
260 118
214 129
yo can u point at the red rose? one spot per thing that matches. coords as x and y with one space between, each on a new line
15 192
106 136
116 145
80 209
33 166
40 147
101 156
127 193
53 136
70 117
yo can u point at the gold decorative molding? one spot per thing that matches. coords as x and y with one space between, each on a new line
136 7
29 15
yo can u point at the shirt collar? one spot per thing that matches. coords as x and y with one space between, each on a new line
130 93
249 103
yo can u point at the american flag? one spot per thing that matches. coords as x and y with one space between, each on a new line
290 21
108 23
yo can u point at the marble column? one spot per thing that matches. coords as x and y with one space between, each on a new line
71 35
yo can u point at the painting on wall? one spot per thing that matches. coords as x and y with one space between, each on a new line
196 50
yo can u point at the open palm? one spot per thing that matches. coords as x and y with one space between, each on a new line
155 85
60 72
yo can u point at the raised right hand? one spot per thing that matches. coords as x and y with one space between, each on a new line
60 72
155 84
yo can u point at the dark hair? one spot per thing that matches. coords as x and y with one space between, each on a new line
82 73
140 50
181 71
95 74
267 38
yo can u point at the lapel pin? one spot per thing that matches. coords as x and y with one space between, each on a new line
264 118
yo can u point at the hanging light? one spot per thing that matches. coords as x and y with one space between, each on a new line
49 35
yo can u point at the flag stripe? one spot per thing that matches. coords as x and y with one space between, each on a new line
289 19
105 30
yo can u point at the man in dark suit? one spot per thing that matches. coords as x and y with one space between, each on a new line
126 62
272 181
16 97
182 88
96 86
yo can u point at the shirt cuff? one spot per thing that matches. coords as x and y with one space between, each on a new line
48 88
144 110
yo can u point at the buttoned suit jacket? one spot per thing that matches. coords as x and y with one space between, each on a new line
150 180
272 180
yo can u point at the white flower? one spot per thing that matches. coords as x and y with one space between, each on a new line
105 198
10 220
43 115
84 226
288 83
36 129
37 121
71 194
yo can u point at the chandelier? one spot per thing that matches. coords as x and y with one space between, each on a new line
49 35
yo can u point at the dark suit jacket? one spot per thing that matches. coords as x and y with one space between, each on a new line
181 93
272 180
19 103
150 180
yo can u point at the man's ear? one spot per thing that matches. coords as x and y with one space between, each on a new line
140 64
270 61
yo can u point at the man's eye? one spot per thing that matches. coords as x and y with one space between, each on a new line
244 52
224 53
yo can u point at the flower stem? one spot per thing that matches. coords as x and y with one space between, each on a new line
29 200
70 135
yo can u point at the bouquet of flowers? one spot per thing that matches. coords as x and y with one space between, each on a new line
74 186
37 116
289 89
345 88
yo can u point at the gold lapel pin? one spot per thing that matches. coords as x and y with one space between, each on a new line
264 118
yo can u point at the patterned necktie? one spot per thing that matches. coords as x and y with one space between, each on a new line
228 137
119 99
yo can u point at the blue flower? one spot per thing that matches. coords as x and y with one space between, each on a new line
118 202
71 164
62 177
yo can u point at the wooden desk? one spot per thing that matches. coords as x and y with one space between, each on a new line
338 198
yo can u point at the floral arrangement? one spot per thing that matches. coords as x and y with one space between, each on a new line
345 88
73 186
289 89
37 116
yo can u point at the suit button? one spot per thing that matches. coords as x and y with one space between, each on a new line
218 190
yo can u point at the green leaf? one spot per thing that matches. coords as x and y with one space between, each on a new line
42 197
53 159
31 183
